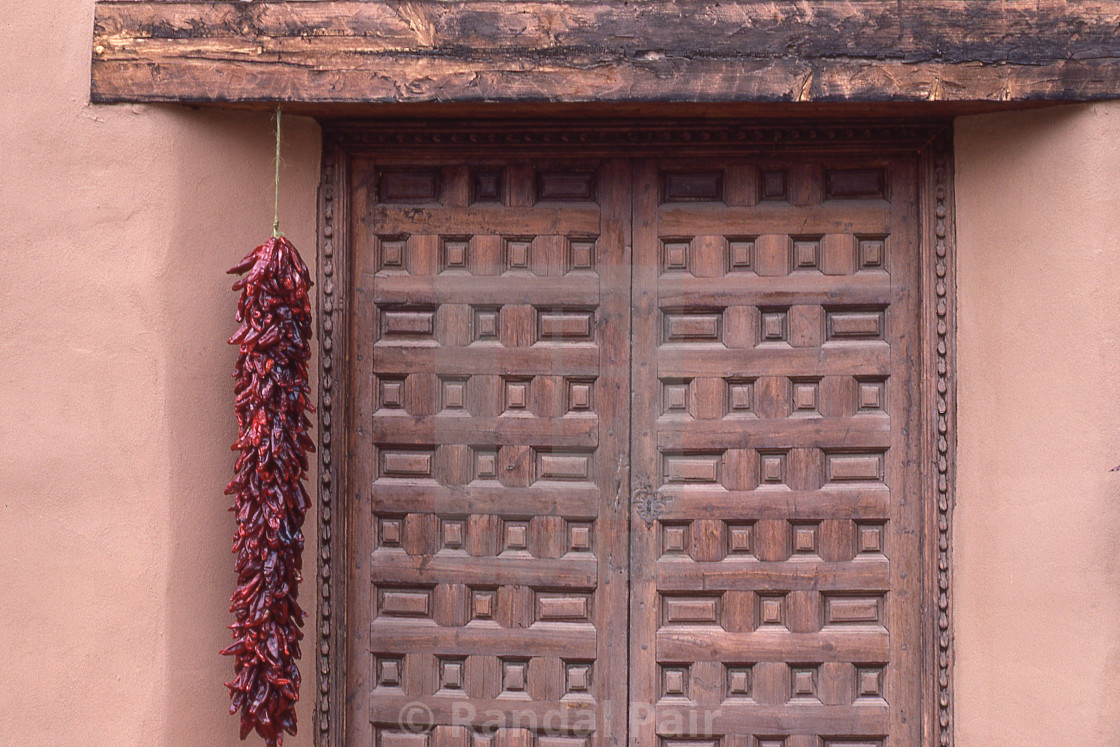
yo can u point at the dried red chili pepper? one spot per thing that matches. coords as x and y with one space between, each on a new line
272 401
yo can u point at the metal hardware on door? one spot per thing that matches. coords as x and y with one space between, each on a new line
648 504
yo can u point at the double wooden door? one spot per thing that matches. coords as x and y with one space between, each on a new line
633 452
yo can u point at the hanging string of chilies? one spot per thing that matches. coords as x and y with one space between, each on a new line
272 402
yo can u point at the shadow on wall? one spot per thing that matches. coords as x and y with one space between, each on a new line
224 188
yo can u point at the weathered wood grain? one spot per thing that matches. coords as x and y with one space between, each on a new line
347 51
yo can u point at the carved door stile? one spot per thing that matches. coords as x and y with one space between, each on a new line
492 359
644 611
903 474
613 462
359 669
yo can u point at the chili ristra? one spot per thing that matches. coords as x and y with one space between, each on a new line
272 402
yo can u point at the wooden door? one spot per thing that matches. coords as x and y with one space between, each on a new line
775 562
670 499
490 371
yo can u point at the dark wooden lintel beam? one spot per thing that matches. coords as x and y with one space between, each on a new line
355 51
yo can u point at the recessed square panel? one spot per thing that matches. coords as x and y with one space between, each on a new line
803 681
391 393
773 184
486 185
579 536
577 676
392 254
674 255
515 536
872 253
517 394
870 538
390 531
454 254
740 254
772 468
740 539
806 253
484 604
772 610
674 397
674 539
453 533
515 675
774 325
485 464
581 255
452 672
806 396
870 681
871 395
805 539
518 254
739 679
674 680
485 324
580 395
740 396
388 671
453 394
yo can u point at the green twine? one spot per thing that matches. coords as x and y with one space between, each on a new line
276 196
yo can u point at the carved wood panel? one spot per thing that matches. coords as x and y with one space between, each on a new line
490 424
781 574
776 587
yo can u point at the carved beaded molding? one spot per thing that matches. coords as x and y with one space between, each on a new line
930 140
329 471
943 341
878 135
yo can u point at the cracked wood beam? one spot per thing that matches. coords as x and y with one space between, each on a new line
359 51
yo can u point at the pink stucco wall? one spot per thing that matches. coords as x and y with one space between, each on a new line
116 227
1038 517
115 406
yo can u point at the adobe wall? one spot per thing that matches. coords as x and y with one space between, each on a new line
1037 525
115 407
117 227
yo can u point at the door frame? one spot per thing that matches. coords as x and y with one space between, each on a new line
930 140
